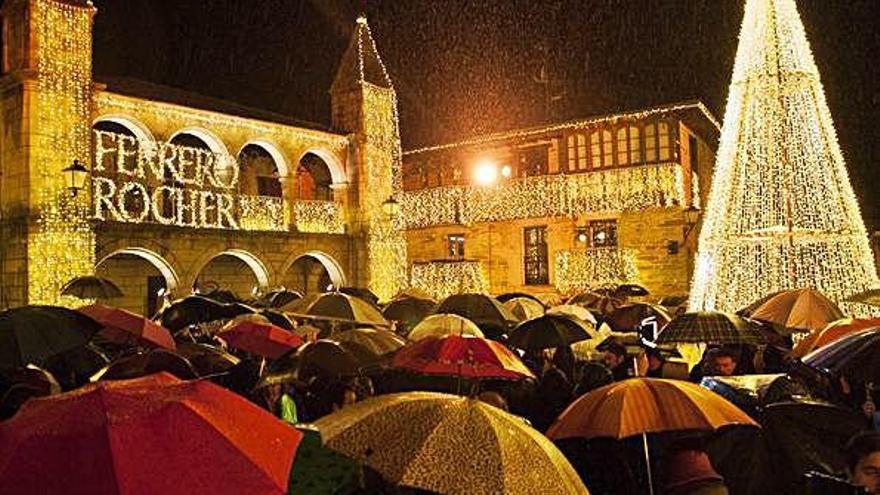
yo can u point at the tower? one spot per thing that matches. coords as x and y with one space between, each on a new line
781 212
46 123
364 104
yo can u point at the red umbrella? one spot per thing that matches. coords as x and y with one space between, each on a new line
452 355
126 327
154 434
256 335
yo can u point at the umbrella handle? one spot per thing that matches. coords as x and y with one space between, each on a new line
648 463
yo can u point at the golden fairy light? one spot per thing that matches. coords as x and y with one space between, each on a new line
781 211
442 279
581 270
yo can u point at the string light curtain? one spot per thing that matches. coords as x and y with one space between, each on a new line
781 211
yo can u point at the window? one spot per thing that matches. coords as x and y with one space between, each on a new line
533 161
607 149
603 233
651 143
665 148
577 152
268 186
635 145
535 259
622 147
595 150
455 246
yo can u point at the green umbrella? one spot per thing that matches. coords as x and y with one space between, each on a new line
318 470
30 334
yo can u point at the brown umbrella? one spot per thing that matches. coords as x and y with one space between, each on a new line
796 310
91 287
630 317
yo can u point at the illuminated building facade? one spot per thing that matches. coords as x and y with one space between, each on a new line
184 191
564 207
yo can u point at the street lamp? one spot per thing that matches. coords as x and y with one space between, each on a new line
486 173
76 175
391 207
691 217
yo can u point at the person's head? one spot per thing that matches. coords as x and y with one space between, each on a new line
493 399
724 362
655 359
342 394
863 460
615 355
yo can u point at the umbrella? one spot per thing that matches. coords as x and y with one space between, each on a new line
408 311
254 334
672 301
524 308
337 305
853 356
222 296
126 437
74 367
147 363
190 310
639 406
125 327
38 379
376 341
328 358
206 359
469 357
278 319
441 325
361 293
630 290
507 296
280 297
91 287
832 332
630 317
578 312
547 332
317 470
30 334
414 292
598 303
710 327
479 308
796 310
449 444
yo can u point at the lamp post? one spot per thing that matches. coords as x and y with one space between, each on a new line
391 207
75 177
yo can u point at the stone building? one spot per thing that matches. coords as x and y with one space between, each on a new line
563 207
184 191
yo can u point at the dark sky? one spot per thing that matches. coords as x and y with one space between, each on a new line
464 67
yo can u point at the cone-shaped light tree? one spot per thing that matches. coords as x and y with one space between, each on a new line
781 212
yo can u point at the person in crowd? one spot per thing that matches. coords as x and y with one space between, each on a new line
863 461
552 396
725 362
493 399
592 376
655 363
564 360
688 471
615 360
342 394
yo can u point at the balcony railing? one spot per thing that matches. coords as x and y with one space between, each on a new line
262 213
443 278
614 190
578 270
322 217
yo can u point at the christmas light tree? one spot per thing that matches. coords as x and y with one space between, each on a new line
781 212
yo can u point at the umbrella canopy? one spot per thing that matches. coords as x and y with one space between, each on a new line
470 357
328 358
278 319
125 327
547 332
630 317
597 303
524 308
646 405
254 334
195 309
206 359
37 379
796 310
341 306
449 444
479 308
280 297
670 302
441 325
362 294
413 292
710 327
147 363
408 311
853 356
630 290
377 341
30 334
578 312
125 437
832 332
507 296
91 287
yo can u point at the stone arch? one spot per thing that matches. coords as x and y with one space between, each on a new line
215 144
337 172
143 288
274 151
172 281
138 128
330 266
257 267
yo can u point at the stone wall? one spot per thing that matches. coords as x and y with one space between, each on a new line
129 273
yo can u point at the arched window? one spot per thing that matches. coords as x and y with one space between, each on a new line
313 179
651 143
259 172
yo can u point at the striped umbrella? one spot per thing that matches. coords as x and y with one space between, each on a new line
834 331
710 327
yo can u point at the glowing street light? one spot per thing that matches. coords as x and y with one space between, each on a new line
486 173
506 171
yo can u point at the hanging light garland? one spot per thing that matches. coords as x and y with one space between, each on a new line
581 270
442 279
781 211
321 217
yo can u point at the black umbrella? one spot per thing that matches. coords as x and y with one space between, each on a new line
30 334
546 332
361 293
711 327
481 309
278 319
329 359
222 296
630 290
278 298
195 309
74 367
147 363
207 359
408 312
507 296
91 287
856 356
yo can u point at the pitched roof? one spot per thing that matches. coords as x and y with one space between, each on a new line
361 62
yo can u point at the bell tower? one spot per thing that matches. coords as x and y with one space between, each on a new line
364 104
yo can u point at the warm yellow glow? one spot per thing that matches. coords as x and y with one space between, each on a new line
321 217
586 269
442 279
486 173
262 213
506 171
781 211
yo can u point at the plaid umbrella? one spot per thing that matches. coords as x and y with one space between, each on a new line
712 327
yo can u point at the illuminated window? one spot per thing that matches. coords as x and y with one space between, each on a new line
622 147
665 148
595 150
455 246
635 145
651 143
577 151
533 161
603 233
607 149
535 260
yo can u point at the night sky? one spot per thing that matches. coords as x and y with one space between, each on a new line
466 67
